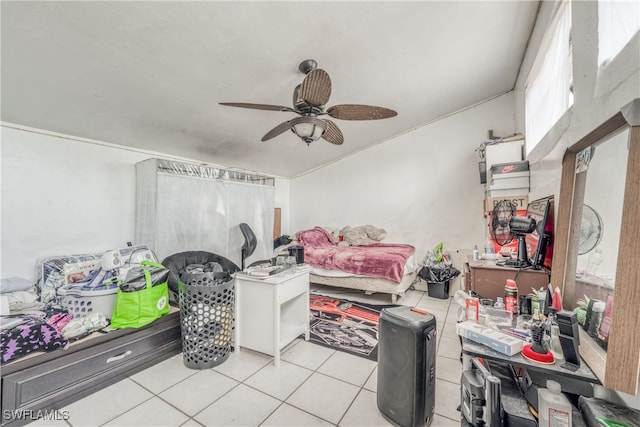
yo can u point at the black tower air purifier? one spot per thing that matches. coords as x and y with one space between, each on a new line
407 366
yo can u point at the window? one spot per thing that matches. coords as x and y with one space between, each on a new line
618 22
548 92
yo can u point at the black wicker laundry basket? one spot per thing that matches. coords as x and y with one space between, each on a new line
206 299
206 320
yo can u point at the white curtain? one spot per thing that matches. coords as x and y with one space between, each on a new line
183 207
548 91
618 22
253 205
191 214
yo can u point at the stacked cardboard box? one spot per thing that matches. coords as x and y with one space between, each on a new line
509 179
503 152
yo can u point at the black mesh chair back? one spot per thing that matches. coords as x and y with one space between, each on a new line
250 242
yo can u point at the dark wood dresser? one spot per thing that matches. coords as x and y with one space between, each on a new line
488 279
52 380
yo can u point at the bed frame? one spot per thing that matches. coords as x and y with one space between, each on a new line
51 380
368 284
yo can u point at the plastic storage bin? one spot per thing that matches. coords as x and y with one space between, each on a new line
206 321
438 289
85 303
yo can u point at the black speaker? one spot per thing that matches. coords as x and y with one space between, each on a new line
407 366
569 338
298 252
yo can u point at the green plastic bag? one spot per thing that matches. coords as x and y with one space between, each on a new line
139 308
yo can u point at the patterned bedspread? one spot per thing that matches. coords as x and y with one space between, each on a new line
376 260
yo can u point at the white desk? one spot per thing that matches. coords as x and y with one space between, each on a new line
271 312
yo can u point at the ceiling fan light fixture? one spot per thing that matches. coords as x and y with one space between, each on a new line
309 100
309 129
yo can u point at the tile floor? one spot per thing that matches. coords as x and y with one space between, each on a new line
314 386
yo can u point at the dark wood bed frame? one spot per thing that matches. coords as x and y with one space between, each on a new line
53 380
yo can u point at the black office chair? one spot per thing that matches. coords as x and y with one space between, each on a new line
250 242
249 246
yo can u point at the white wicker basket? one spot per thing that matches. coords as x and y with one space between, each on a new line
84 303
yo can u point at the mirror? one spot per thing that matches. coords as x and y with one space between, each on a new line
604 166
597 239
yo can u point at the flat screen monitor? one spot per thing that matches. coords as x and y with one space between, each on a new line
540 242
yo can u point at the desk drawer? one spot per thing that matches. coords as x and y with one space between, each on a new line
293 288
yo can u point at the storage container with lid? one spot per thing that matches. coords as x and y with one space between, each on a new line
554 409
511 295
597 313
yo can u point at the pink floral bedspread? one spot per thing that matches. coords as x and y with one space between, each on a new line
382 260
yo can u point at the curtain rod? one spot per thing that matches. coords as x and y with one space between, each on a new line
211 172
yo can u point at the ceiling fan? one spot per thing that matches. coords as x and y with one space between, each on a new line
309 100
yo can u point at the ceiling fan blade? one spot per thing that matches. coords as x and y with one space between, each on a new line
316 88
333 134
256 106
281 128
360 112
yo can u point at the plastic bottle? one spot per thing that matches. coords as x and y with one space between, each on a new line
593 261
554 409
473 309
605 325
511 296
597 313
551 319
556 347
499 303
488 247
542 300
476 253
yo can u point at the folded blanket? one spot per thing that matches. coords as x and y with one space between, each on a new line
22 302
34 335
13 284
377 260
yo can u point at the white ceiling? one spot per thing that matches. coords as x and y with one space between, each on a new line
151 74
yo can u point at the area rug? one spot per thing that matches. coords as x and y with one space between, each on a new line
345 325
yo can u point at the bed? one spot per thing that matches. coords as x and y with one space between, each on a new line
373 268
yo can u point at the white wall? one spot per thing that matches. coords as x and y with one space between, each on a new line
61 196
598 95
422 187
65 195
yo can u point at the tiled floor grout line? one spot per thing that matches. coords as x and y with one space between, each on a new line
215 400
349 407
329 376
191 417
360 390
282 401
